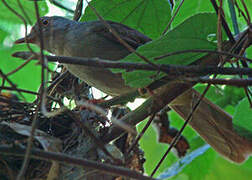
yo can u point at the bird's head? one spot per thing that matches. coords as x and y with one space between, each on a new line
53 29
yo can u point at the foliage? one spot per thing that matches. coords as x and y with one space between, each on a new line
10 27
243 118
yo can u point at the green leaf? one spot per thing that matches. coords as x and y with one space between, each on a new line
148 16
242 120
194 140
213 93
28 6
3 35
193 33
7 35
231 96
177 122
153 150
249 52
28 78
190 8
223 169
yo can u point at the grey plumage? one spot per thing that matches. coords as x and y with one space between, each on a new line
92 39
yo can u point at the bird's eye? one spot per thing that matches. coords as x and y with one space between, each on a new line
45 22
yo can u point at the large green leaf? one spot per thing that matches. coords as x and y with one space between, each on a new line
231 96
193 33
243 119
249 52
222 95
7 35
3 35
223 169
148 16
28 6
177 122
213 93
29 77
153 151
190 8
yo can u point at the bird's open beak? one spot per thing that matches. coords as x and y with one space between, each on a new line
30 38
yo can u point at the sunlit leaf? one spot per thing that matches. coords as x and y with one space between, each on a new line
243 119
29 77
190 8
27 6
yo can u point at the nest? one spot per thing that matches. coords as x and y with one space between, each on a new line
75 132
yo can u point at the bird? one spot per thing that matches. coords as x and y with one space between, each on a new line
92 39
59 33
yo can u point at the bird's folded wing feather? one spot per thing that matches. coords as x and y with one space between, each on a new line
131 36
214 125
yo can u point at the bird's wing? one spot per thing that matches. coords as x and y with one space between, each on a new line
131 36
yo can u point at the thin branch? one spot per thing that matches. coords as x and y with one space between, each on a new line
56 82
18 90
247 12
223 21
22 19
248 94
29 146
97 141
173 17
203 51
56 3
24 13
168 69
63 158
78 10
241 12
178 135
34 122
141 134
219 29
231 82
4 77
19 67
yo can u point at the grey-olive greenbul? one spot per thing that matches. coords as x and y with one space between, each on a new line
64 37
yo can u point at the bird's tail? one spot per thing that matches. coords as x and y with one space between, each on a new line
214 125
